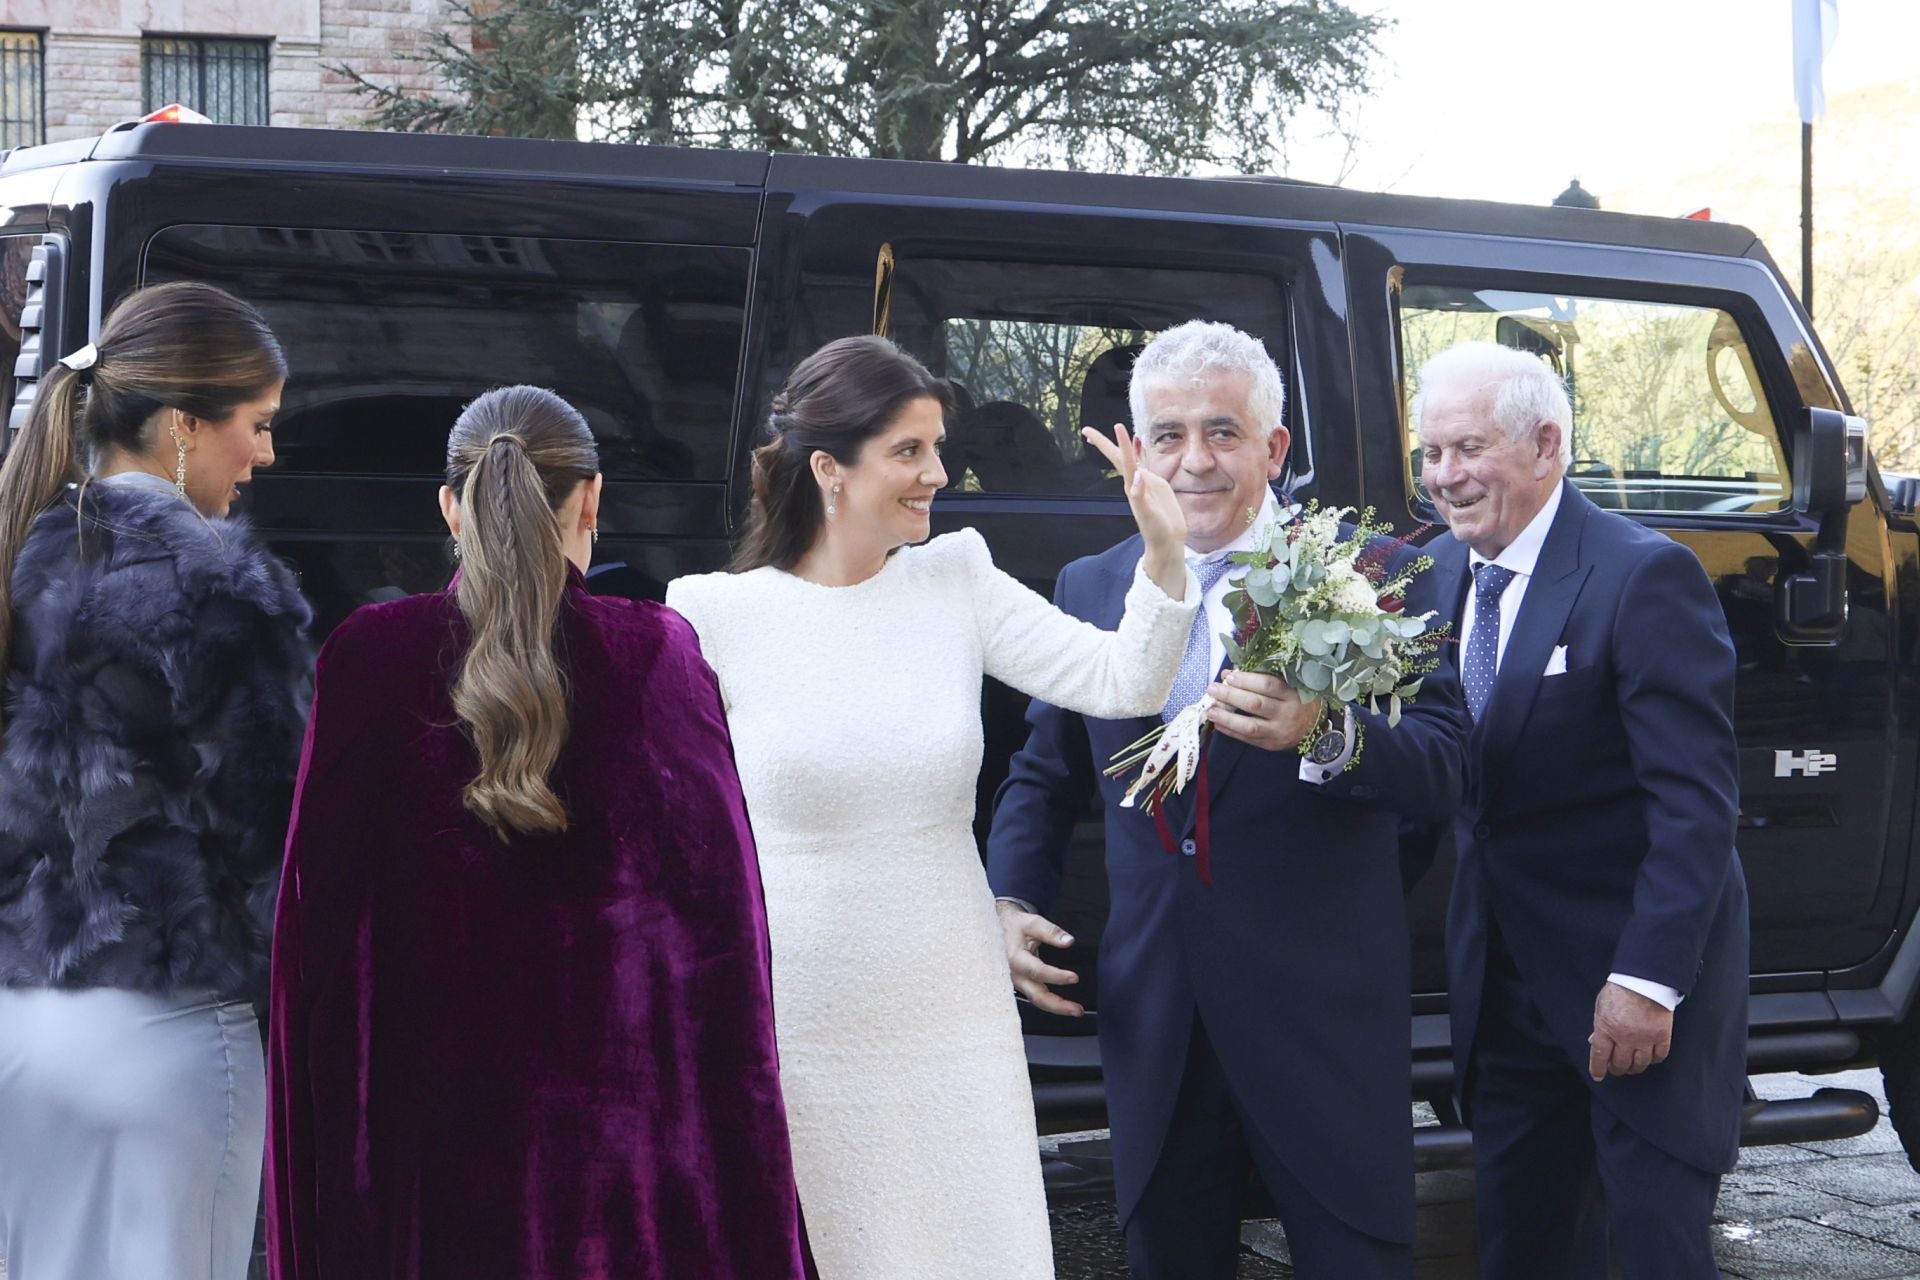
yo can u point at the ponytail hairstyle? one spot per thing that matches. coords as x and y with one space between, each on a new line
514 457
835 400
185 346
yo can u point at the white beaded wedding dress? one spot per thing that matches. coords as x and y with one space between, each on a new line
855 714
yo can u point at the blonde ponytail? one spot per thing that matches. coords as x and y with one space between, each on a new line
515 455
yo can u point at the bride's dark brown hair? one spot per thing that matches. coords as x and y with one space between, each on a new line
835 400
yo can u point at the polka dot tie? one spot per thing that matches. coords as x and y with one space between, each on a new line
1482 662
1195 673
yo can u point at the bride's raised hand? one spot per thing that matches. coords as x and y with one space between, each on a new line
1163 526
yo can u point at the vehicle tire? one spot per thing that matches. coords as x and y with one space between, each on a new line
1900 1070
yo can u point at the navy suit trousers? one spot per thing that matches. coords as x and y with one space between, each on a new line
1187 1224
1556 1175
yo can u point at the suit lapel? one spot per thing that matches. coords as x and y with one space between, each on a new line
1223 755
1450 585
1131 729
1557 578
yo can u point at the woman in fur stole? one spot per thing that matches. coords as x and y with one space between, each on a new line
521 1023
156 678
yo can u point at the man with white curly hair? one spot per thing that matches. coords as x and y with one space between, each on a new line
1254 972
1597 938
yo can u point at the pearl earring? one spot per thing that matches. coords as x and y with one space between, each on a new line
833 504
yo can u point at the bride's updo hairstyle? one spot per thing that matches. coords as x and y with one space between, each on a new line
835 400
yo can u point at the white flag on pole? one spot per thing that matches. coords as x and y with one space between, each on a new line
1815 24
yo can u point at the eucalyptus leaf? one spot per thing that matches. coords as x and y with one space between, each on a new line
1315 676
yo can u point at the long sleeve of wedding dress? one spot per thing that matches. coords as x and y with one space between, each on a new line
1029 644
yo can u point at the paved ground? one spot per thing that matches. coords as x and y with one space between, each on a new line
1846 1210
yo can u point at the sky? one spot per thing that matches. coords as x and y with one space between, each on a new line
1656 106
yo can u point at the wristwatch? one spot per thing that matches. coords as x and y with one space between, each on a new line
1330 745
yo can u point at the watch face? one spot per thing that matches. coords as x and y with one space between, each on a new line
1328 746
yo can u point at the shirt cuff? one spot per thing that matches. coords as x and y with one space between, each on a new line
1021 903
1319 773
1190 597
1664 996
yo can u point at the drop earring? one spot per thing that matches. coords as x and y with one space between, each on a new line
593 531
833 500
179 465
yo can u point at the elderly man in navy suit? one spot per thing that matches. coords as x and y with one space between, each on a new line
1254 971
1597 937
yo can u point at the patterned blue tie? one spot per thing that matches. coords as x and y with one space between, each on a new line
1482 660
1195 674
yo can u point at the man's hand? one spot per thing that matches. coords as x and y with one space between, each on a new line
1260 710
1024 932
1630 1033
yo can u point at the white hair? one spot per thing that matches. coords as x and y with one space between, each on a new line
1526 390
1199 346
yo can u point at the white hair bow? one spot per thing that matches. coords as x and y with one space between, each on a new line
85 358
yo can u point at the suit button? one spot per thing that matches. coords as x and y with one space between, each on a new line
1482 831
1187 847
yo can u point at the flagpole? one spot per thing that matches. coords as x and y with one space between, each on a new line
1806 218
1815 24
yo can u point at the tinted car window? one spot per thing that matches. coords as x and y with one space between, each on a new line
1668 411
1036 350
390 333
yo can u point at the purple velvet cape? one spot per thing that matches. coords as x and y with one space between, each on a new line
546 1059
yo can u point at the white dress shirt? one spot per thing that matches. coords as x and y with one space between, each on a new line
1521 556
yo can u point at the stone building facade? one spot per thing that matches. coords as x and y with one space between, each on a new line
102 60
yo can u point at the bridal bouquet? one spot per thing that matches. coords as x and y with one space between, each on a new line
1326 614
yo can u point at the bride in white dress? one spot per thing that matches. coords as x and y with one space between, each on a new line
851 664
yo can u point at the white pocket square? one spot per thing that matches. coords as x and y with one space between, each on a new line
1557 664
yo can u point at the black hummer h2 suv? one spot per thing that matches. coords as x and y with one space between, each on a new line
666 292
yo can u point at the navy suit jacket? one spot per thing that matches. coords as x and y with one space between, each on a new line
1295 957
1598 830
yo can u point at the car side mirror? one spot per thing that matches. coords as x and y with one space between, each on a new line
1829 477
1829 462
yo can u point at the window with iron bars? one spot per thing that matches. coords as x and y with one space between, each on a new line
23 104
224 80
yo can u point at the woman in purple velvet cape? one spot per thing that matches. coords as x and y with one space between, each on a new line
521 1023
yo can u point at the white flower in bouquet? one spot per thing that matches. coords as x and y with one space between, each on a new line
1355 595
